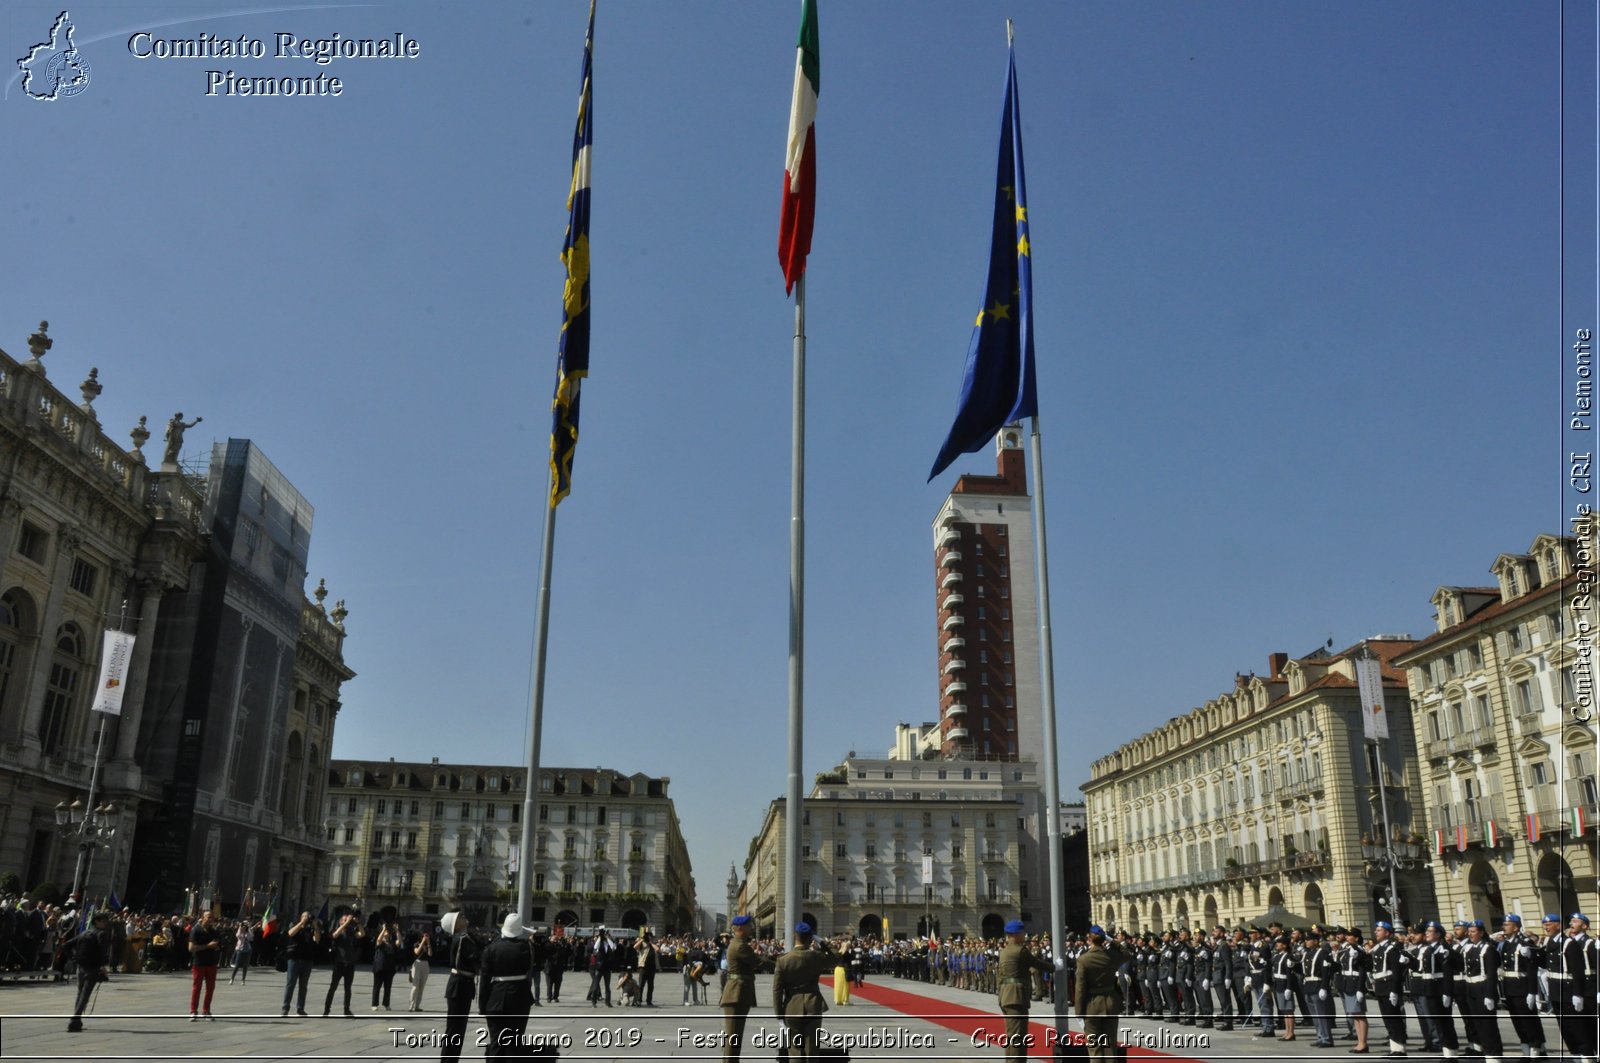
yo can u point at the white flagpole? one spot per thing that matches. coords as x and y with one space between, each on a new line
797 596
541 639
1052 782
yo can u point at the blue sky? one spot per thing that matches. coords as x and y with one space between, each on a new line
1297 274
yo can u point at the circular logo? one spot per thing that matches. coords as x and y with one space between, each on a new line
67 73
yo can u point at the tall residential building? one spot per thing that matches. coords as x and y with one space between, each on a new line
421 839
93 537
1503 704
871 826
1264 796
988 613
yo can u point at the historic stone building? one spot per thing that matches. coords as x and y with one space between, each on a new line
1264 796
1502 701
92 538
423 838
874 828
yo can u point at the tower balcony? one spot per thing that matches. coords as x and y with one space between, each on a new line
946 537
954 687
951 578
957 709
951 557
956 734
954 642
954 664
953 621
951 601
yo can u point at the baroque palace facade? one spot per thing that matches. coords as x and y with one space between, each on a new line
1265 796
1503 701
212 776
421 839
874 828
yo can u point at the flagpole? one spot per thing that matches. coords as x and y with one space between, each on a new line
541 639
797 559
1052 783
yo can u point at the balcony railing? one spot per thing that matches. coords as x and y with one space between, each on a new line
950 578
954 664
956 734
948 536
951 557
956 709
1300 788
954 642
1461 743
951 601
1250 870
955 686
1307 861
955 620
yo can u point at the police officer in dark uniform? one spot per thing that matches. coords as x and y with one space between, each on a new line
1479 987
1222 977
1431 992
1167 971
91 951
1389 964
1258 960
1200 980
1150 975
1519 984
505 988
462 987
1317 971
1184 961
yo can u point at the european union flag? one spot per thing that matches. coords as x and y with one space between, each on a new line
998 386
573 364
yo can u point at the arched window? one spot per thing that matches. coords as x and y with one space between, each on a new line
61 693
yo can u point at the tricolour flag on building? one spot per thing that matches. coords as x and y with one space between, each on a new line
1578 822
1461 838
1491 834
113 672
997 386
800 159
1533 826
573 363
1438 842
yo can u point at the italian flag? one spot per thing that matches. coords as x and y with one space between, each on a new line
1491 834
800 163
269 918
1578 824
1438 843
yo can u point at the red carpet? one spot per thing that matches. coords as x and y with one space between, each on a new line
987 1026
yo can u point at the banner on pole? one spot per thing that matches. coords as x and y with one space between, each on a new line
927 870
113 672
1369 681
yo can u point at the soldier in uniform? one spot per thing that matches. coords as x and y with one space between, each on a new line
1571 971
1431 992
1243 997
462 986
1097 994
1222 977
796 998
1285 975
91 951
1354 963
1167 971
1479 988
739 991
1317 970
1016 964
1519 984
1258 960
1150 968
505 988
1200 979
1184 960
1388 964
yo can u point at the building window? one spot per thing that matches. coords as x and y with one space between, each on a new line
839 849
32 542
438 809
83 577
411 839
351 807
433 882
414 809
372 878
489 811
349 835
383 806
1527 702
61 694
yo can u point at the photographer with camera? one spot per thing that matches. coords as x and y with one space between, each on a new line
346 948
299 953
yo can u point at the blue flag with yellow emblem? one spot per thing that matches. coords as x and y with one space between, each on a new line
573 364
998 386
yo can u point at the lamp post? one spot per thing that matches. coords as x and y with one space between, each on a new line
88 831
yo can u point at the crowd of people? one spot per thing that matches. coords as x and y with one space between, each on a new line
1288 983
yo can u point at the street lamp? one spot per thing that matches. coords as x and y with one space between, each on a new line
89 832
